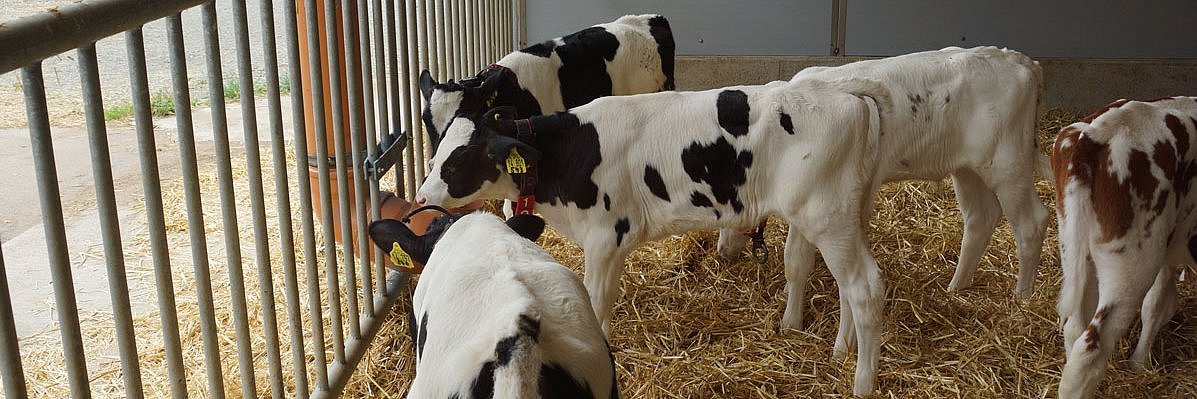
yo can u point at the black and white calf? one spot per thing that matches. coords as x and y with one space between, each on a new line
1127 214
968 113
496 315
631 55
623 170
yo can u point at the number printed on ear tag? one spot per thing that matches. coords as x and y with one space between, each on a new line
400 257
515 163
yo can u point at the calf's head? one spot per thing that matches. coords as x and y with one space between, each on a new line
389 233
471 162
445 101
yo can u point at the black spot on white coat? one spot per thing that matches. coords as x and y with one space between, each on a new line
720 166
732 109
556 382
659 28
467 168
422 336
787 123
621 227
700 199
607 202
543 49
572 150
656 185
583 72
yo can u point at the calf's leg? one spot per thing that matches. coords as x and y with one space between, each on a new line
1158 308
1120 294
1028 216
799 259
862 292
604 267
981 211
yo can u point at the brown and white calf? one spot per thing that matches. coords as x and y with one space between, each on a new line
1126 216
971 114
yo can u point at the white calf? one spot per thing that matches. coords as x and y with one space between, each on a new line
624 170
1126 214
497 316
968 113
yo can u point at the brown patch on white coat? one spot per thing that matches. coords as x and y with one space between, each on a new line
1126 215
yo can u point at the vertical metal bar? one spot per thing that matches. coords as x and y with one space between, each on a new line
505 25
471 30
463 41
428 40
447 28
302 168
382 124
56 245
101 167
839 26
253 165
195 213
10 350
427 60
458 59
346 180
152 187
439 25
521 24
369 139
232 235
287 246
400 78
489 30
332 280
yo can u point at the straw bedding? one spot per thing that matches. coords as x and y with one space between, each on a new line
692 325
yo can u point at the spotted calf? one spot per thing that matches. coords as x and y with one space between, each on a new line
1125 208
631 55
623 170
496 316
968 113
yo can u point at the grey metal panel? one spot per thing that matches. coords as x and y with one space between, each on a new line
1068 28
702 27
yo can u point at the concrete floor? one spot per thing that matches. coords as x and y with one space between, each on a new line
22 234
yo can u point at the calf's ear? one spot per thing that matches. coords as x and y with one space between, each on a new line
499 147
527 226
388 233
426 84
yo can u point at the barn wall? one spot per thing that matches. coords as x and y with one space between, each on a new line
1063 28
1092 51
1074 84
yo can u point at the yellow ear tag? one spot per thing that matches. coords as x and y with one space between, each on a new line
515 163
490 102
400 258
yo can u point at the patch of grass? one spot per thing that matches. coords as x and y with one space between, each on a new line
232 89
284 84
162 104
119 111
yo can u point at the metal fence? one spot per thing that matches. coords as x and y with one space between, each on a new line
377 47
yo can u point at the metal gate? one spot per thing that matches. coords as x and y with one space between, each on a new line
179 334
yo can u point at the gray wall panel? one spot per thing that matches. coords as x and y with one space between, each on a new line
1067 28
701 27
1062 28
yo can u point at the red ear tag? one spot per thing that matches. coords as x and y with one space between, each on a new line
524 204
